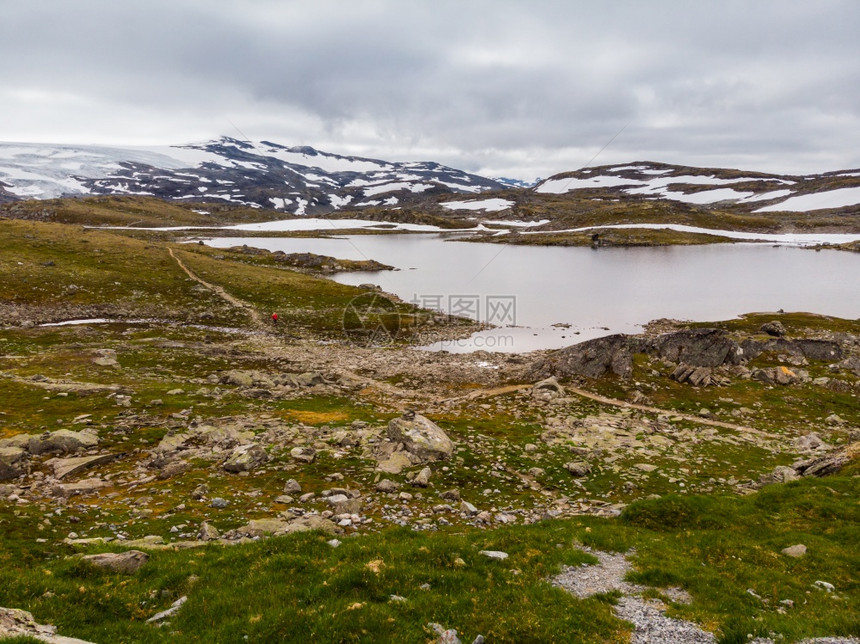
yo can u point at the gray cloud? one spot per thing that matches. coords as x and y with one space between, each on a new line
526 89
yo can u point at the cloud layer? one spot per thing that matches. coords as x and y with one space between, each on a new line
500 87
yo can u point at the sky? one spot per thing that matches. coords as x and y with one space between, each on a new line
504 88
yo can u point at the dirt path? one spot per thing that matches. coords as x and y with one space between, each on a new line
656 410
224 295
498 391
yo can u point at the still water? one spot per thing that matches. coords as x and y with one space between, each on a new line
527 289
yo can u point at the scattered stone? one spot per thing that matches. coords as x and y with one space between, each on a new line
304 454
825 586
125 563
776 376
451 495
494 554
292 487
549 384
808 443
422 479
245 458
64 467
174 608
62 440
468 509
13 461
796 551
218 503
696 376
309 379
208 532
387 485
394 463
445 636
578 468
83 488
645 467
19 623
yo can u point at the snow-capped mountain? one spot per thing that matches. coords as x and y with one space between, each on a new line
298 180
712 188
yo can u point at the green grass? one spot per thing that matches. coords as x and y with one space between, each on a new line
298 587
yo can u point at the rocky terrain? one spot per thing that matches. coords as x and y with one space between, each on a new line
183 426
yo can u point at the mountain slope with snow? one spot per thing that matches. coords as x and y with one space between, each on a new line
733 190
297 180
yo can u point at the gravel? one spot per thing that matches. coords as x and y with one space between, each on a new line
650 623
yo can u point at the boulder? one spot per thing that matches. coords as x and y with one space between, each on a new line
304 454
421 437
830 463
774 328
796 551
696 376
578 468
64 467
780 474
83 488
292 487
207 532
394 463
808 442
126 562
62 440
245 458
387 485
309 379
549 384
593 358
19 623
422 479
776 376
698 347
261 527
13 462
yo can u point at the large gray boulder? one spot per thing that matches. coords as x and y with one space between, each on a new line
245 458
13 462
698 347
64 441
126 562
593 358
421 436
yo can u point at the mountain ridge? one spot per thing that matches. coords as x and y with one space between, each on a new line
302 180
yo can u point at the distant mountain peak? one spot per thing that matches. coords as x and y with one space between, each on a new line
299 180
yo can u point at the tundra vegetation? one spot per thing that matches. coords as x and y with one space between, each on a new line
323 480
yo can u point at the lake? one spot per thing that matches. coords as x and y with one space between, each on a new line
527 289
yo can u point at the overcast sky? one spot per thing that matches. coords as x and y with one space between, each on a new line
511 88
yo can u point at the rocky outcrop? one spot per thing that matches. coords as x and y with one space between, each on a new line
245 458
13 462
698 347
19 623
421 436
696 352
592 359
64 441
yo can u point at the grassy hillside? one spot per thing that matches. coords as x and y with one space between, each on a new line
134 211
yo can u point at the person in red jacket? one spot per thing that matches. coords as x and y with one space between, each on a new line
274 318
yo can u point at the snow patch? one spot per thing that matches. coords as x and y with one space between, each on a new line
487 205
838 198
